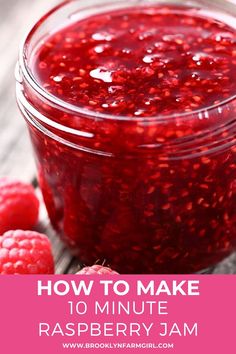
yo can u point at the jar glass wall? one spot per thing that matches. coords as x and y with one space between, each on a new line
150 194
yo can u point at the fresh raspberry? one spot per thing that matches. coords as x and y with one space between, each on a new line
97 269
25 252
19 206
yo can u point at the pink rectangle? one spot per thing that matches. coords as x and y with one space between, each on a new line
173 314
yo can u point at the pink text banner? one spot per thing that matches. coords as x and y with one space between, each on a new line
118 314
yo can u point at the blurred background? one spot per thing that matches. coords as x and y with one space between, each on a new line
16 18
16 160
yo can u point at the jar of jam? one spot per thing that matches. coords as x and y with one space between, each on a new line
131 110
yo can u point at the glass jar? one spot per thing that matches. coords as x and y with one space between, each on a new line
146 194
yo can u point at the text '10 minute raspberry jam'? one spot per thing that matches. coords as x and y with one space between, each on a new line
131 112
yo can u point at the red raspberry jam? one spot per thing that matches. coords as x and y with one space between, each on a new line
143 172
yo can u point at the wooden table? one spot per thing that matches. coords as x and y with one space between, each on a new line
16 16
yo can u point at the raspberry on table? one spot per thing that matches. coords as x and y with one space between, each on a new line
25 252
97 269
19 206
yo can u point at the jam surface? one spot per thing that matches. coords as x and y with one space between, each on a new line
148 196
140 62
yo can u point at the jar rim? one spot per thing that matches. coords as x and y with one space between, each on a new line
79 110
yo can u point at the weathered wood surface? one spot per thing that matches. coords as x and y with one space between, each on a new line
16 17
16 160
